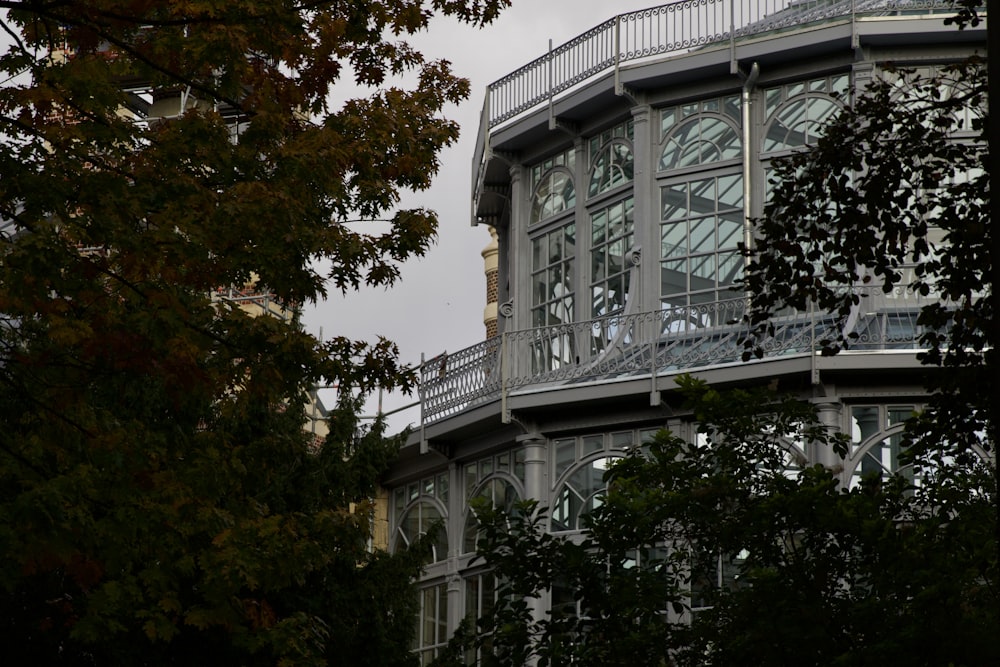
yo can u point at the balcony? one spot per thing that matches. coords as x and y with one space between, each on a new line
665 31
649 345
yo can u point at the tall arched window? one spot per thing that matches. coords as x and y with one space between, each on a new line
701 202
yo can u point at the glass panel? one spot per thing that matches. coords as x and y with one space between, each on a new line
730 189
565 455
898 415
673 277
622 440
593 443
429 616
399 501
730 268
702 235
565 509
539 252
667 119
410 526
673 202
471 479
673 240
703 196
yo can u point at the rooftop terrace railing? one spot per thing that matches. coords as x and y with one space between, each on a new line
672 28
647 345
675 27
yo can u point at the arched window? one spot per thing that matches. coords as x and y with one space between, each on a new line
416 519
502 493
796 112
554 194
877 442
581 493
700 140
552 187
611 160
701 202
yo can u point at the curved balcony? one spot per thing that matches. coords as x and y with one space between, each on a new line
654 344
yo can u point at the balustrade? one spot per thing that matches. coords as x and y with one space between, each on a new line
667 341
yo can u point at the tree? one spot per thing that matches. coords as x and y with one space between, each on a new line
722 551
160 501
894 197
712 550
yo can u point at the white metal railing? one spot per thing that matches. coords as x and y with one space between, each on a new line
648 345
675 27
672 28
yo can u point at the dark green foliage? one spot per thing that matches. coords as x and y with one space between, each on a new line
894 197
160 500
886 573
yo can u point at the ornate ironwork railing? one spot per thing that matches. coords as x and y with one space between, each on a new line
672 28
664 342
675 27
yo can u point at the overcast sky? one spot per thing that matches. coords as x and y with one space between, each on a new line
438 304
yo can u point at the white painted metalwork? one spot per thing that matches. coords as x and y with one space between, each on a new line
642 345
670 29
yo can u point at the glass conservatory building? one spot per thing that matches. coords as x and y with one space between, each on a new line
619 172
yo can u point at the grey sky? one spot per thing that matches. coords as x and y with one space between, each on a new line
438 304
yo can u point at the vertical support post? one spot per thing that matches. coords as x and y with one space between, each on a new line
536 487
748 153
504 375
830 412
733 66
552 115
813 365
420 396
855 41
617 56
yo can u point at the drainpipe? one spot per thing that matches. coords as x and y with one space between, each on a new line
748 153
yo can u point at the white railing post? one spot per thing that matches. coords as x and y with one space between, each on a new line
733 66
504 374
551 86
618 54
855 41
423 408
